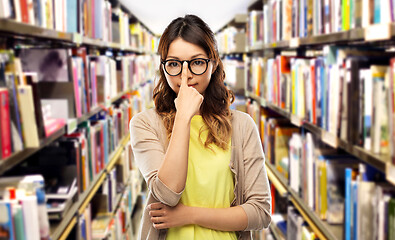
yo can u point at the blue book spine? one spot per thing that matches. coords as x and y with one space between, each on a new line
305 19
347 205
318 91
327 96
15 100
71 16
323 98
377 11
7 228
354 220
83 228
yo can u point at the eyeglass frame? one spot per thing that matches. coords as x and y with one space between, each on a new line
189 65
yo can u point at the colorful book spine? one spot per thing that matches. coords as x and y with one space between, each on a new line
347 204
5 124
6 222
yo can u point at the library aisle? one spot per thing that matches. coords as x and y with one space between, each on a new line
317 77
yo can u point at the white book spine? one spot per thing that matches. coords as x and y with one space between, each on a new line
30 216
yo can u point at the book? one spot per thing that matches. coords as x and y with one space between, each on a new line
30 216
32 80
29 125
335 173
6 221
16 126
5 123
294 224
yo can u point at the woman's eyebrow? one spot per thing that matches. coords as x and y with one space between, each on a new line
194 56
197 55
173 57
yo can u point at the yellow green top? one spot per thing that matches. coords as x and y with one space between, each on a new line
209 184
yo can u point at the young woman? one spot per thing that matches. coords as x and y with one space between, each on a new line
203 163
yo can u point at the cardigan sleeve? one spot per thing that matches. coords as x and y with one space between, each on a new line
257 197
149 153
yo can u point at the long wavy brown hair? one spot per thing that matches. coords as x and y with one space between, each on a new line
215 109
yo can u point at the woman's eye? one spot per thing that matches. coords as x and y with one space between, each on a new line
173 64
198 62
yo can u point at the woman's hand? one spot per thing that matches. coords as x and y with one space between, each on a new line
188 100
163 216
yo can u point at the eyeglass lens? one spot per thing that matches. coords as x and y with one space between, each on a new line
197 66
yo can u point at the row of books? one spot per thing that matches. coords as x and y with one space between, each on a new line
42 89
96 19
287 19
142 39
254 67
322 89
342 190
235 72
339 188
80 157
109 214
254 28
231 40
290 225
23 210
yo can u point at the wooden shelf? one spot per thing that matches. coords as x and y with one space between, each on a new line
18 157
255 48
20 29
23 29
63 229
375 160
275 231
350 36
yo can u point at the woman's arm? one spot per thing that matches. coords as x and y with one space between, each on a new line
174 168
222 219
165 170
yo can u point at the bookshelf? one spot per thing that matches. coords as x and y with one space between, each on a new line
353 36
13 28
376 160
119 52
322 229
334 41
63 229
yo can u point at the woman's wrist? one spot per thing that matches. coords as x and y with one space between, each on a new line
193 215
180 117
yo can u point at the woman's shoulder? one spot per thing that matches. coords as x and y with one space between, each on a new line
146 116
239 117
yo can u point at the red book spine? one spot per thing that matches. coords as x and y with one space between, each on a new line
24 11
314 92
5 133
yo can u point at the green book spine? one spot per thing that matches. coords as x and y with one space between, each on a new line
18 223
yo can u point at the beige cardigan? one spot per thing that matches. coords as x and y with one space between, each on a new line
149 143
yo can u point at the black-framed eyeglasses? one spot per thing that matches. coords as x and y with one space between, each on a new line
197 66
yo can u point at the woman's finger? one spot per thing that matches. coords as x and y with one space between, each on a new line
155 206
160 225
156 220
184 75
156 213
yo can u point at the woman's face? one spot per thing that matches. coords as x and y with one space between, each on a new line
182 50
